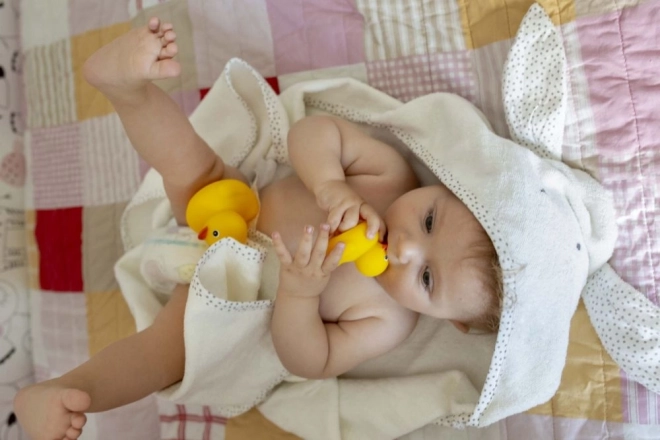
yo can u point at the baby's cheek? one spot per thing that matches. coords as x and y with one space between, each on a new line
390 283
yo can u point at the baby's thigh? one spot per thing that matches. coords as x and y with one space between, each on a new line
179 194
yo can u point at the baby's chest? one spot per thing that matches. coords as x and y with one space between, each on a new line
351 296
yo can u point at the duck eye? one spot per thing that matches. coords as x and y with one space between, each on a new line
216 233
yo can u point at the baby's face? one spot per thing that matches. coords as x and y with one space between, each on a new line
429 235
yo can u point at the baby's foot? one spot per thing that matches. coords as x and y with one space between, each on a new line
132 60
48 411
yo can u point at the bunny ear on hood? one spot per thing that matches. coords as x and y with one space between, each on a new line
554 230
627 323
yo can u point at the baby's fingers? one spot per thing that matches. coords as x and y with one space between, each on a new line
320 247
334 218
350 219
374 222
281 250
331 262
301 259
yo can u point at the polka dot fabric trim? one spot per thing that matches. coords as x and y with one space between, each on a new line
253 252
628 325
276 123
534 73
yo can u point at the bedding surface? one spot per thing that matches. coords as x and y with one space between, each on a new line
80 169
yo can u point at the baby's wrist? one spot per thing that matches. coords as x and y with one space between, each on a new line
323 189
295 295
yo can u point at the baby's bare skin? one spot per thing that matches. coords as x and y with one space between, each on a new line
154 358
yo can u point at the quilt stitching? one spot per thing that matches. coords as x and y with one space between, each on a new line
642 187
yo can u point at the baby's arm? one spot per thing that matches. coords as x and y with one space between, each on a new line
160 132
306 345
328 153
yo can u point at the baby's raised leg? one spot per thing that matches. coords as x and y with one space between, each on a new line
123 372
158 129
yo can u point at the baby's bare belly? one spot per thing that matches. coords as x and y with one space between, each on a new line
287 207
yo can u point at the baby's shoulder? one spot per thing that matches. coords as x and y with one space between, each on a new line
399 321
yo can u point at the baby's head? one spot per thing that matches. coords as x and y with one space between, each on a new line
442 262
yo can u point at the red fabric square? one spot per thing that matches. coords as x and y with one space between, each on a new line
58 234
274 84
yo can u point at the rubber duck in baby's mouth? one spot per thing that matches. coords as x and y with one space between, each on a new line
369 255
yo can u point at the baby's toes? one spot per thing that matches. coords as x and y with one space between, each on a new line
168 51
154 24
168 37
73 433
164 28
78 420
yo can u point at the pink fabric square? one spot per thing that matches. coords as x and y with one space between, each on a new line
410 77
57 167
223 29
138 420
85 15
314 34
64 330
621 60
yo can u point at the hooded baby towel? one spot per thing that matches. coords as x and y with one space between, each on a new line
552 226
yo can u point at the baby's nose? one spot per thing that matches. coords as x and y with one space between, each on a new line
405 251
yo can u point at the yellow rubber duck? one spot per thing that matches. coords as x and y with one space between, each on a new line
222 209
368 254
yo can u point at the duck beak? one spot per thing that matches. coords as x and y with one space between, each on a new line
202 233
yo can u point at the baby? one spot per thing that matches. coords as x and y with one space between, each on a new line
327 319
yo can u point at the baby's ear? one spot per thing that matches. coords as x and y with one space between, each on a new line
461 327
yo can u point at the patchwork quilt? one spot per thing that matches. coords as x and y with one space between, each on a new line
67 169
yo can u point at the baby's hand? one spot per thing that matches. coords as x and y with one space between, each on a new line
345 208
307 274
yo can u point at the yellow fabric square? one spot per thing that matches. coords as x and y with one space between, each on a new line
108 319
102 246
488 21
89 101
591 383
32 250
253 424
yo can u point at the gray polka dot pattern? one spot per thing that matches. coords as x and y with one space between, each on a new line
534 87
248 254
628 325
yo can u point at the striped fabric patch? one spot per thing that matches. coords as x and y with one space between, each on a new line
400 28
639 404
579 149
49 85
111 170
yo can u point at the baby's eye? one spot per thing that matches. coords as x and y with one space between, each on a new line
428 221
426 278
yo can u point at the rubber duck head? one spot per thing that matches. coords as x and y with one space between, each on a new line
224 224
